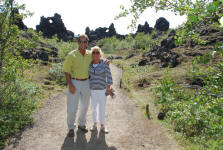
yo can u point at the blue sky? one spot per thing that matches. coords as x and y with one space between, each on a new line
78 14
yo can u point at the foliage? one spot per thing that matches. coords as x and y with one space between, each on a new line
195 10
56 73
198 115
140 41
17 97
17 103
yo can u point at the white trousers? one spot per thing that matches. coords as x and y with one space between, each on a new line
81 94
98 101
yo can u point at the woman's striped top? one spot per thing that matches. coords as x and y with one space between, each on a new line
100 76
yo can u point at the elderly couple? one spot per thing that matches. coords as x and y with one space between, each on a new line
87 75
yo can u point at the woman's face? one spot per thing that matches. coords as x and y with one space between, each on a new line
96 55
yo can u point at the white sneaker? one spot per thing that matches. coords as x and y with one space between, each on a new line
93 128
104 130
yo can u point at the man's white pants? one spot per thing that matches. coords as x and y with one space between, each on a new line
82 94
98 101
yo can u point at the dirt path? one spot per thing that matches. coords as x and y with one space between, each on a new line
129 129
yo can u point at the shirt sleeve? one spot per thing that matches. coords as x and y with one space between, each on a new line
108 75
67 67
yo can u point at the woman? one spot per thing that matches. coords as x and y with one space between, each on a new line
100 85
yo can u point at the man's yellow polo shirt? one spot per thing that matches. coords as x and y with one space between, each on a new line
77 65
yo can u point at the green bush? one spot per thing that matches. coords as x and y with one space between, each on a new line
140 41
144 41
108 45
198 115
56 73
17 103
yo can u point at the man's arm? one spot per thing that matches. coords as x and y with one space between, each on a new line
69 82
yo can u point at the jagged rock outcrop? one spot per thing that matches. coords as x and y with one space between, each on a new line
51 26
162 24
102 32
144 28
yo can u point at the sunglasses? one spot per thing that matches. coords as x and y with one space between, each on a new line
83 42
95 53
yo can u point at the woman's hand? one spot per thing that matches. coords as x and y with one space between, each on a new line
72 89
107 62
108 90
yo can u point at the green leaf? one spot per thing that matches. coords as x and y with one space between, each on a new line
192 18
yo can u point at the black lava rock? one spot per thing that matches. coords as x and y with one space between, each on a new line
161 115
51 26
162 24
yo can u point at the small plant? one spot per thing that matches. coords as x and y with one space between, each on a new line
56 73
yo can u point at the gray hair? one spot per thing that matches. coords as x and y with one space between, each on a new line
83 36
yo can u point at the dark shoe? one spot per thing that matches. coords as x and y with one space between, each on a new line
71 133
83 128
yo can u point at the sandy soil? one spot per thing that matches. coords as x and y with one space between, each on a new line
129 129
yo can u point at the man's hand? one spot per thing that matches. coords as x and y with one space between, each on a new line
72 89
69 82
107 62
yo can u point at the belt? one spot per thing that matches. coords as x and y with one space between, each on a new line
80 79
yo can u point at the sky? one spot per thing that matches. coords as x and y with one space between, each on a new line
78 14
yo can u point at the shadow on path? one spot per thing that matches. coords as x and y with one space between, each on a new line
95 143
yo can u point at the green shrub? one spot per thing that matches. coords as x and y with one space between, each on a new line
140 41
198 115
108 45
18 100
56 73
144 41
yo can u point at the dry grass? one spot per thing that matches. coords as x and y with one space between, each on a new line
39 74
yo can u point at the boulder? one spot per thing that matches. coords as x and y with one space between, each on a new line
118 57
42 55
143 62
172 33
162 24
166 57
168 43
130 56
161 115
43 52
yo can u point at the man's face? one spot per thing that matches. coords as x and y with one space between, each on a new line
83 43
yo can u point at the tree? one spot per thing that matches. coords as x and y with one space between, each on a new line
195 10
11 63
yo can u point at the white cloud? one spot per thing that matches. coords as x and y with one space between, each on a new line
78 14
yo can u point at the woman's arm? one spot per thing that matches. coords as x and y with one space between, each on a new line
109 80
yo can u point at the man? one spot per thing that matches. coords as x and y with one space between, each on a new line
76 68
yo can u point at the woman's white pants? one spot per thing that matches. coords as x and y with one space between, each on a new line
98 101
